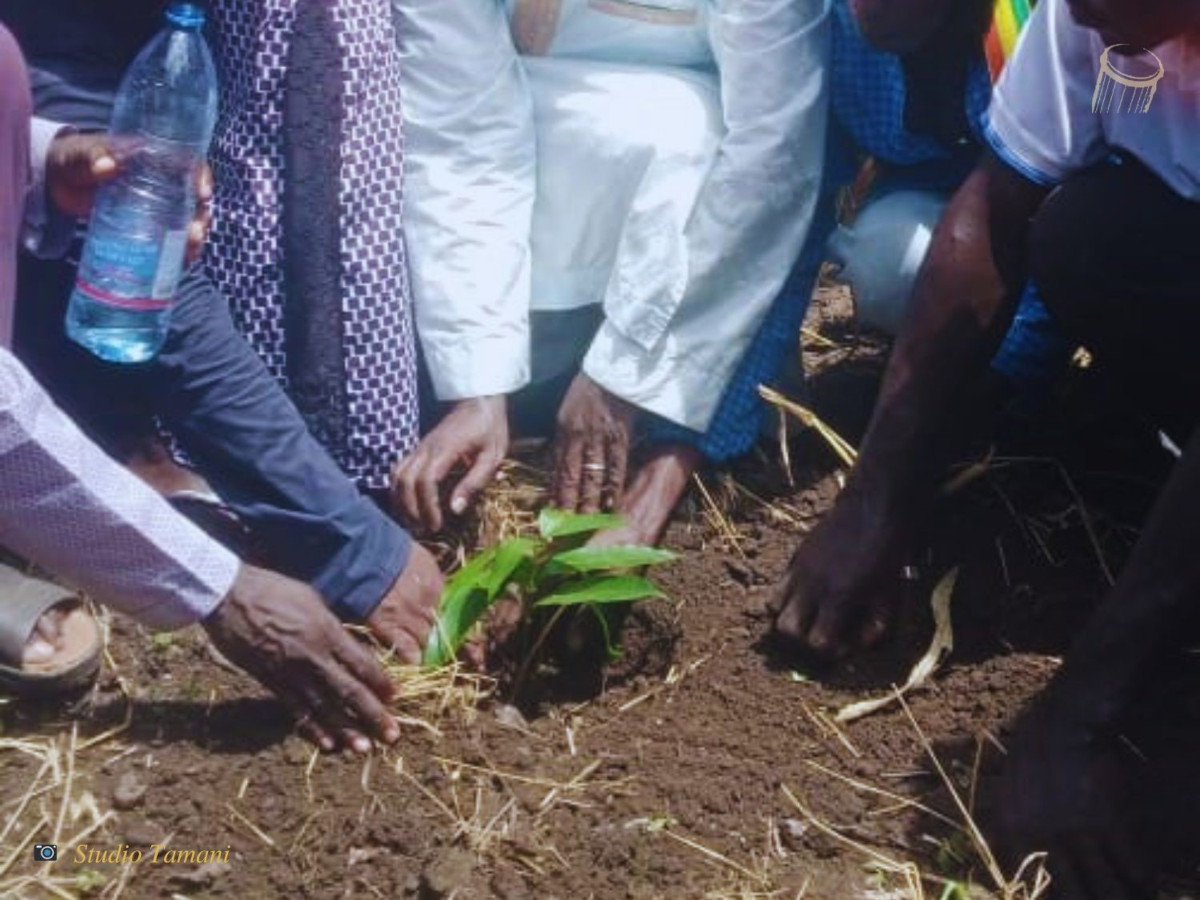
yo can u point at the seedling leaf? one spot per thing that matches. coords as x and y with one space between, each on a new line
466 597
602 589
558 523
593 559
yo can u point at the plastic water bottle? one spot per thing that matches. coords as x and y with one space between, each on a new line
162 123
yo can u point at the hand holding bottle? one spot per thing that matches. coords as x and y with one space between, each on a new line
77 164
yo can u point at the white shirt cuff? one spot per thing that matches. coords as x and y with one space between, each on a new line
47 233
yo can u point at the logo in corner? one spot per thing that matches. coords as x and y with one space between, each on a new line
1128 80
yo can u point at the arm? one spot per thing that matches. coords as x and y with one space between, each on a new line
839 590
73 511
471 182
78 514
963 302
470 170
671 343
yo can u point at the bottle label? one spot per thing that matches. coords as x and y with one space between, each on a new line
130 273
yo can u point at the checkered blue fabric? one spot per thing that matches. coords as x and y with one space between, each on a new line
869 96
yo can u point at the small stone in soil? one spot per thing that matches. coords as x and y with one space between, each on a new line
510 717
450 870
203 875
128 792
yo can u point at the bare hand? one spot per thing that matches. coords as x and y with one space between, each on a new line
406 616
77 164
591 452
842 586
475 435
1061 795
280 632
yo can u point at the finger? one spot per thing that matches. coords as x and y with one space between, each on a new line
306 719
1067 884
101 161
1091 865
366 705
1129 862
407 649
404 487
478 477
792 606
196 236
615 471
428 485
567 469
594 470
322 688
399 641
827 636
359 661
315 734
350 696
876 623
204 184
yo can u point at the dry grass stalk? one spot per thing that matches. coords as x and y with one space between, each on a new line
909 871
939 648
713 856
717 519
902 802
817 338
1016 888
844 450
58 805
243 819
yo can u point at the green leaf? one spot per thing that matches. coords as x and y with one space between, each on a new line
510 555
599 559
602 589
558 523
466 598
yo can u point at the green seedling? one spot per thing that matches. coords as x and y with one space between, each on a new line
555 569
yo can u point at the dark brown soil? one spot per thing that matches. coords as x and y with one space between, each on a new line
667 782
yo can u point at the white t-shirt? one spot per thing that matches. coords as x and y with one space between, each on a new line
1042 122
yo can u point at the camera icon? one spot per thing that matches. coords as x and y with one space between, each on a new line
45 852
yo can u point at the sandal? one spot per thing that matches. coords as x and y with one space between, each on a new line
76 660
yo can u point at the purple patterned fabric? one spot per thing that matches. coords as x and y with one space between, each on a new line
245 251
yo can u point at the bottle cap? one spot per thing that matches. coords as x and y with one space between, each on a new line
186 15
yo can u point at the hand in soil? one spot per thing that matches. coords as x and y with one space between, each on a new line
591 448
280 632
1061 794
659 485
475 436
842 585
406 616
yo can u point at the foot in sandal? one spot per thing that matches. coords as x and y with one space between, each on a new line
49 642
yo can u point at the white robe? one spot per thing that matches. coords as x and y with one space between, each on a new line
661 157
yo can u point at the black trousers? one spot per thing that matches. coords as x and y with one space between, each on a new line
1116 254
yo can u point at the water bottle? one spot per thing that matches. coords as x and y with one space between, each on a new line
162 123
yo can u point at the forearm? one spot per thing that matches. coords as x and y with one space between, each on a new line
963 301
74 512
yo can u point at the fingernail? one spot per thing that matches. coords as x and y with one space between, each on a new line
327 744
391 733
362 745
104 165
458 505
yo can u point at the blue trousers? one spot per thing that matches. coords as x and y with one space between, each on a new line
234 421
